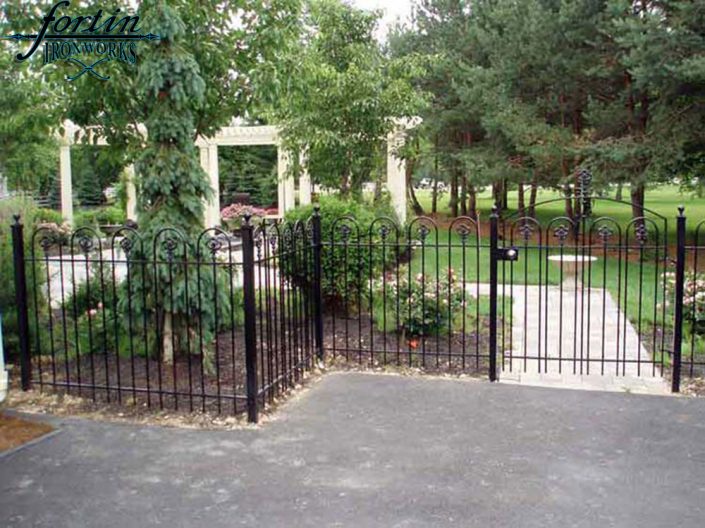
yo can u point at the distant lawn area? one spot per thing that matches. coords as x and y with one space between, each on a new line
626 278
663 200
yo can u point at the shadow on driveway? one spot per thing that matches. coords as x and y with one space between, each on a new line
361 450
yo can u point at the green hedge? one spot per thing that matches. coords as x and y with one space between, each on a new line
346 265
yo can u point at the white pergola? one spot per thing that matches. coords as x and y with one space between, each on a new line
236 136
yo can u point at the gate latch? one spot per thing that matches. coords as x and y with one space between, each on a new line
511 254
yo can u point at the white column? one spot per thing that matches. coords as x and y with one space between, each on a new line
396 175
131 206
66 185
286 187
214 204
209 163
304 181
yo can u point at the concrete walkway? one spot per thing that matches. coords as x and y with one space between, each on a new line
572 332
362 450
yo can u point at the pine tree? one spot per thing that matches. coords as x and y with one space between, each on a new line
172 188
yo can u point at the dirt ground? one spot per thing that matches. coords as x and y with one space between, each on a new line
16 431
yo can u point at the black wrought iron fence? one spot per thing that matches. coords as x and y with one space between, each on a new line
204 322
222 323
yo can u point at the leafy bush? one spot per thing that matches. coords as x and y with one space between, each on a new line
95 217
426 306
348 259
693 298
113 215
48 216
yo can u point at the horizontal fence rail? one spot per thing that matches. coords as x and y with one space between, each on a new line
228 322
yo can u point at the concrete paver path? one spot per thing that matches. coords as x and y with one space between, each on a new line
360 450
573 331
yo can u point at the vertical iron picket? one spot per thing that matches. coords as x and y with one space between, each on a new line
678 308
317 276
494 248
21 300
248 269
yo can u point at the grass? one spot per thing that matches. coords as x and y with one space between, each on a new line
635 282
663 200
627 279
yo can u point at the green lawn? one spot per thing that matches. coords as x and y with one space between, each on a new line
625 278
663 200
628 279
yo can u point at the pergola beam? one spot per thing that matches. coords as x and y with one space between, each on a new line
235 136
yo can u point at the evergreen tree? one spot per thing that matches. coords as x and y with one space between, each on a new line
172 189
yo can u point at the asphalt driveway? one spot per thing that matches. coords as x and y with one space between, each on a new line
361 450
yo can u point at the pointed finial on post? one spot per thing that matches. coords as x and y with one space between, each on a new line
247 216
316 209
16 218
681 210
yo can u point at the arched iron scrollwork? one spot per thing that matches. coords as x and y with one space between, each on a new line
126 238
561 232
525 227
169 245
421 227
605 230
641 232
45 238
347 228
213 240
85 238
464 227
168 240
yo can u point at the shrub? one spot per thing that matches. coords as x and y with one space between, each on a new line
426 306
48 216
112 215
693 298
347 261
95 217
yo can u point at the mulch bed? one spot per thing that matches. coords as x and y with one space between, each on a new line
356 342
185 385
16 431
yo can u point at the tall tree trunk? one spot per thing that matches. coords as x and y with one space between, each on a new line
454 179
533 195
637 198
577 205
505 195
520 198
497 194
409 172
464 195
618 194
434 194
472 201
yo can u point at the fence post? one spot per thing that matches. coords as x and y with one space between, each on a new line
680 285
21 301
317 276
494 249
250 307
